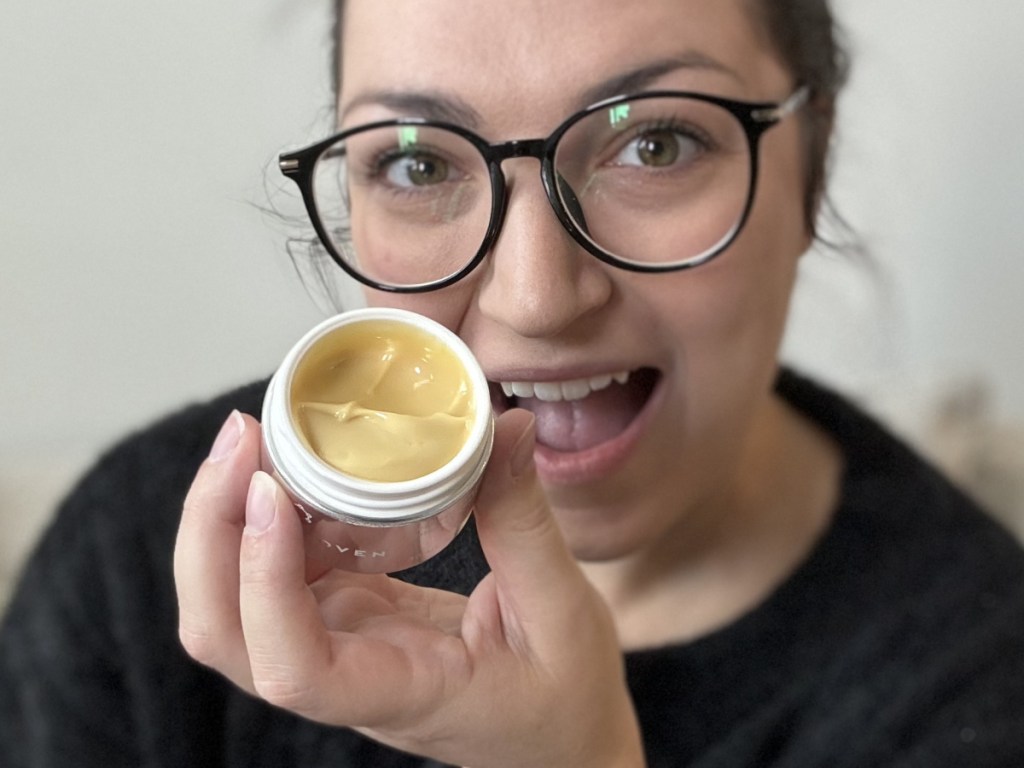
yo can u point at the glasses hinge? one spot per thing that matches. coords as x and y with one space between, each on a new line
289 166
795 101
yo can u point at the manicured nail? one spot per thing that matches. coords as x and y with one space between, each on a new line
228 437
522 452
261 505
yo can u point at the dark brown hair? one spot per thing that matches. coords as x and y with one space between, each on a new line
806 38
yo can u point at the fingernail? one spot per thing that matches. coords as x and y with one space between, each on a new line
522 452
228 437
261 505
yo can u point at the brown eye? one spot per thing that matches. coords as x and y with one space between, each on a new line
658 149
418 171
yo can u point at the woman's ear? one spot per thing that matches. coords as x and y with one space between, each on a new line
818 128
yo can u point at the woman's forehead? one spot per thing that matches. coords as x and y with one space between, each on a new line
534 54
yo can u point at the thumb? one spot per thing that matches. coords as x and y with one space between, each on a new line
519 535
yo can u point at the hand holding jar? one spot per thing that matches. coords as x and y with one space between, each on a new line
413 667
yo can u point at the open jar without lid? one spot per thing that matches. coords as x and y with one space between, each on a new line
378 424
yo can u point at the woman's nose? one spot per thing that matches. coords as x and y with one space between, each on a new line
539 282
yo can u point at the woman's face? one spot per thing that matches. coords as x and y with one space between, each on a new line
667 452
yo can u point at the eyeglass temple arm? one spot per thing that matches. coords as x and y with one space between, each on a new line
796 100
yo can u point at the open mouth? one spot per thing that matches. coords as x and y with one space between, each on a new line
579 414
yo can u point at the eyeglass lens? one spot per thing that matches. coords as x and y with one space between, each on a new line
652 181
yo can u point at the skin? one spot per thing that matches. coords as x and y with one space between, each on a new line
712 498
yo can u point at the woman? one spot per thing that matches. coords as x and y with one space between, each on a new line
700 563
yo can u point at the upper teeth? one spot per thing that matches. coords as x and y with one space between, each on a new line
554 391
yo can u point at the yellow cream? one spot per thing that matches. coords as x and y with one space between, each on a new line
381 400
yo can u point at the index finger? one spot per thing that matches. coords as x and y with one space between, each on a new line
206 553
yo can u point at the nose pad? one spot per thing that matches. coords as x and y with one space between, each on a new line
571 203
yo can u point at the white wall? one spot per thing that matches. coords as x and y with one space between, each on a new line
137 273
931 174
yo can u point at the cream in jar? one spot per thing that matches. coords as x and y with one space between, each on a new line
382 402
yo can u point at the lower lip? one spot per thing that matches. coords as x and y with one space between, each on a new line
581 467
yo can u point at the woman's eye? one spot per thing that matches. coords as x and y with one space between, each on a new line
658 149
417 171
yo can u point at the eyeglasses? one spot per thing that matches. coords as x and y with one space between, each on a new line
656 182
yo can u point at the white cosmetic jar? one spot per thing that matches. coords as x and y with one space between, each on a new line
358 524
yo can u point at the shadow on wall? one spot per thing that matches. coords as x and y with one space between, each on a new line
955 425
29 494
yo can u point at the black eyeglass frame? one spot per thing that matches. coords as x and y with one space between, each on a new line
755 118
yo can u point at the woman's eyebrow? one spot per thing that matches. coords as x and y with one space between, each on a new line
431 105
448 108
636 80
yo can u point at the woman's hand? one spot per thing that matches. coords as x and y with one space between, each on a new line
527 671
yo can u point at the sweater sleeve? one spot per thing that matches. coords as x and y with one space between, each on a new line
63 697
91 669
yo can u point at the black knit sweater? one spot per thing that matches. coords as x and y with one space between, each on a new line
899 642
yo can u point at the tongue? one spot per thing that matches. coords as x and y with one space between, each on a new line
581 424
